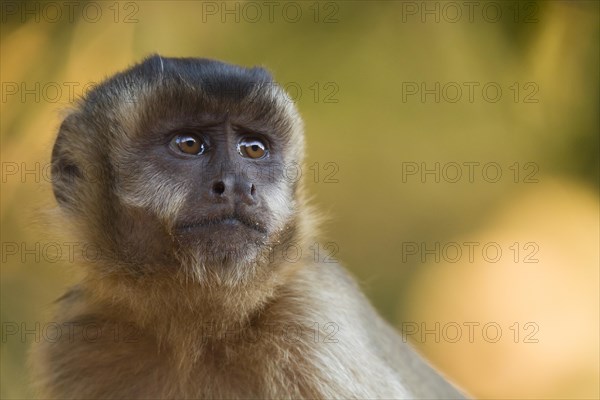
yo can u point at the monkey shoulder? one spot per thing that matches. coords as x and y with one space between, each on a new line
370 356
88 353
326 329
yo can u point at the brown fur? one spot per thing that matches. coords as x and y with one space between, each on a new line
174 321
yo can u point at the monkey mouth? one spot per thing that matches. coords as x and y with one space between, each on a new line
231 221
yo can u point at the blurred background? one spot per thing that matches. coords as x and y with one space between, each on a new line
453 147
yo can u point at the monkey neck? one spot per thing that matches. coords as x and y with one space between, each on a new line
183 313
170 304
169 307
185 320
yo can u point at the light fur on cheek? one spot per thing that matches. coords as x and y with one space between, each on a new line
163 197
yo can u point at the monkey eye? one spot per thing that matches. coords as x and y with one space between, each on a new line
252 148
188 144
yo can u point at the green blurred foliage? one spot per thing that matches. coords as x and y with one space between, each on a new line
361 54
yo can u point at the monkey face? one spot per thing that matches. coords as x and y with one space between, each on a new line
226 198
195 157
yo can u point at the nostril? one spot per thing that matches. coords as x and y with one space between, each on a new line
219 188
253 190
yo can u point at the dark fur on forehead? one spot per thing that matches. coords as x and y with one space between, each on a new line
215 78
185 88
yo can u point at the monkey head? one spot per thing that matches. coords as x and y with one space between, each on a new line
181 165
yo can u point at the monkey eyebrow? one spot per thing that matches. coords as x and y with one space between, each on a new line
248 129
204 123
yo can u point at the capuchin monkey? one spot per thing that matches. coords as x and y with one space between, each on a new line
202 284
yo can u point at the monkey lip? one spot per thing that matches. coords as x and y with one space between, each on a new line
233 221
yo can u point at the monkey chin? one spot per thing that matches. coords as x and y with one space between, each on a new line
222 245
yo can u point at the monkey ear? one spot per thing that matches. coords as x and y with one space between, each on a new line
66 173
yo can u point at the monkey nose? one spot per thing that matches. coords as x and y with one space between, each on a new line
235 190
